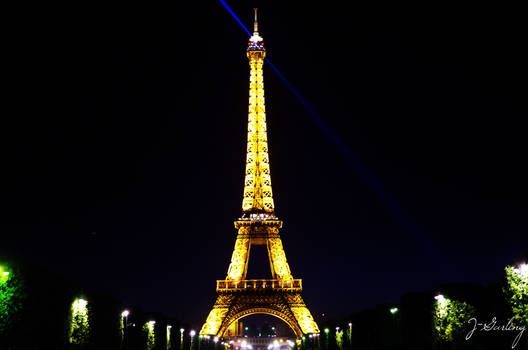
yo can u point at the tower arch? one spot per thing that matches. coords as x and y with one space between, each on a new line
288 319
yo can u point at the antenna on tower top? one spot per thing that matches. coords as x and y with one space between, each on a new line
255 25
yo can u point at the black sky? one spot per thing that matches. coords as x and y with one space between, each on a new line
124 147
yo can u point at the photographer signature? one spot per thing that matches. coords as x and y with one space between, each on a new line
493 326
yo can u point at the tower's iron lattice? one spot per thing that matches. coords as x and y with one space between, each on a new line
258 225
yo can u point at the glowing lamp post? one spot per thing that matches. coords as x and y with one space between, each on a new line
215 340
394 311
181 337
520 283
124 324
326 330
125 314
4 275
522 272
442 302
79 328
149 330
169 327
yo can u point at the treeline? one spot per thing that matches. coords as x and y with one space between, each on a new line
454 316
41 310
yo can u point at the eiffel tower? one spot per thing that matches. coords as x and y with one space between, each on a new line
237 296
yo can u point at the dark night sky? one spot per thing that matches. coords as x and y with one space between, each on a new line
124 148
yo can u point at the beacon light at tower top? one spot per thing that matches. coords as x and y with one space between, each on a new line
256 42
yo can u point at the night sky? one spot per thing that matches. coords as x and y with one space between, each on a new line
124 148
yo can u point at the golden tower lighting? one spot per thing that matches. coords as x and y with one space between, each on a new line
237 296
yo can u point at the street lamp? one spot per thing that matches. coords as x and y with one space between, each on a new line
394 311
125 314
124 320
169 336
326 330
192 333
4 275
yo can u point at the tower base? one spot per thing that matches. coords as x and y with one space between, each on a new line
232 305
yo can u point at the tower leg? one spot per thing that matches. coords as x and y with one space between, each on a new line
239 260
279 265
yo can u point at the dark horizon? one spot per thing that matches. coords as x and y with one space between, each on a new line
124 157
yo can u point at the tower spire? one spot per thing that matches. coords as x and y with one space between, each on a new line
255 24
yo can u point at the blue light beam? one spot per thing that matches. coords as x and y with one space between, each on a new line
234 16
392 207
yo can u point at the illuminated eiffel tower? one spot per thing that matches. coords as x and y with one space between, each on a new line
258 225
